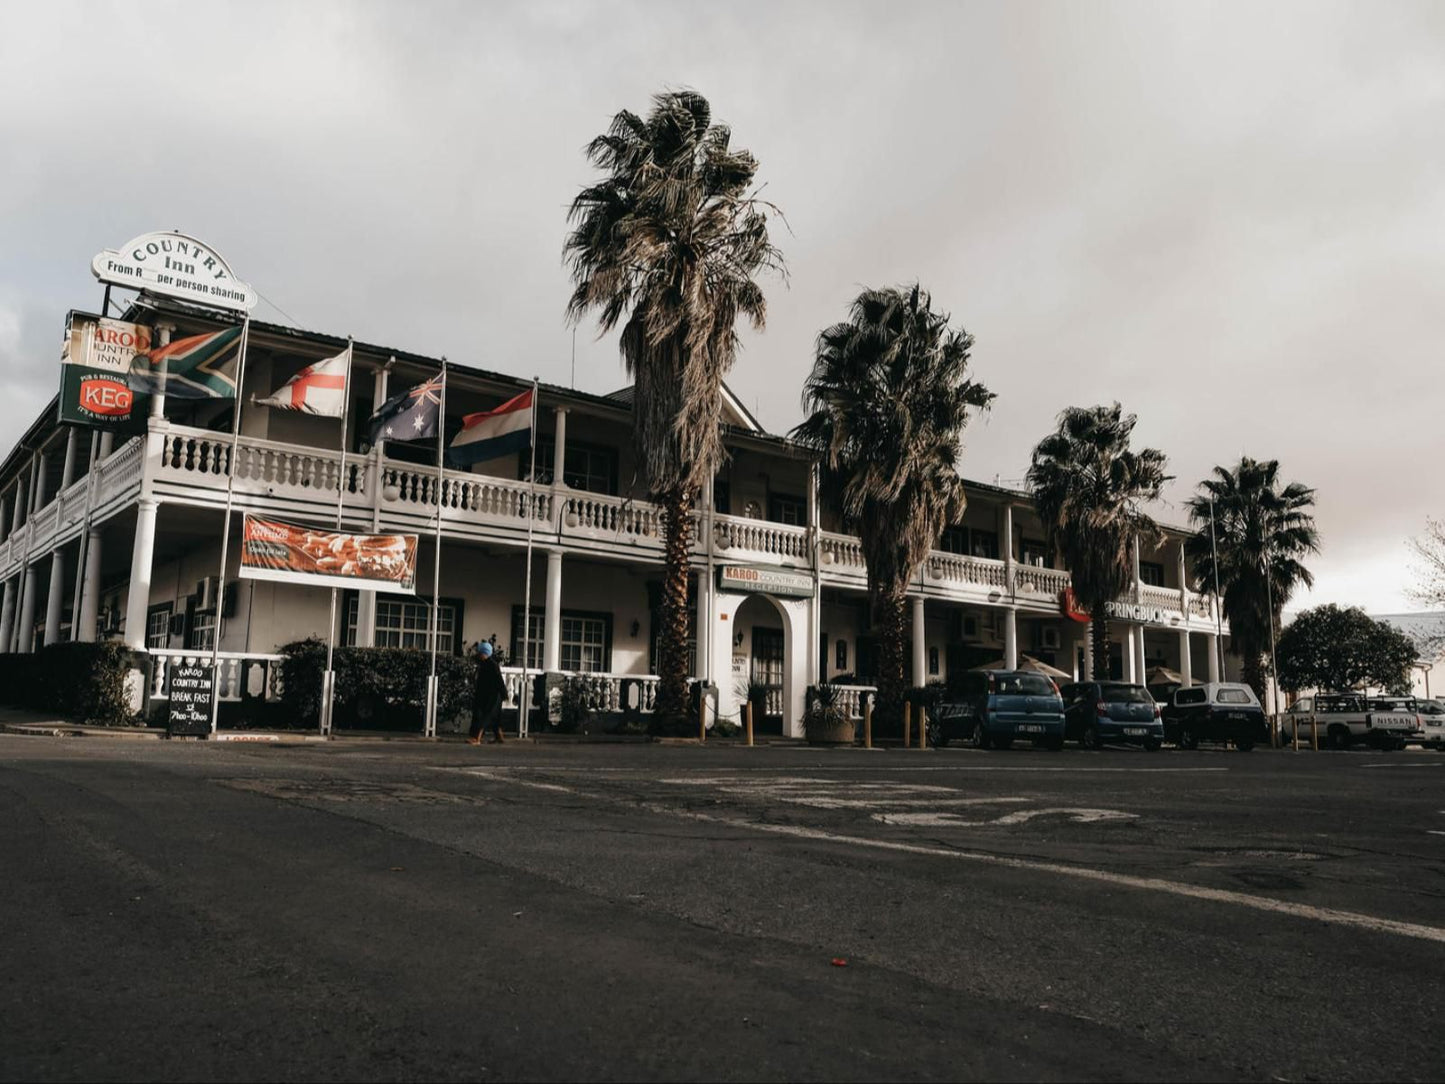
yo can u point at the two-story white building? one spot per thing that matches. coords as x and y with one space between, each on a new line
120 537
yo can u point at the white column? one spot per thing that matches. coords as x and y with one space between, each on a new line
1131 665
17 507
107 445
158 398
1212 641
38 490
54 598
366 600
1088 673
1006 545
7 615
1142 664
701 660
25 630
90 591
920 651
559 446
1010 639
552 619
1138 579
1186 662
138 595
67 471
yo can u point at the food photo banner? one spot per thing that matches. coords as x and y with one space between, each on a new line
272 549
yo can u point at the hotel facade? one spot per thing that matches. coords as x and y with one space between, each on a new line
110 536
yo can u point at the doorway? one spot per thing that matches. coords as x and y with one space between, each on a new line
767 671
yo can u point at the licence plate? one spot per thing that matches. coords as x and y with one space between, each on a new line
1135 731
1029 728
1237 716
1393 724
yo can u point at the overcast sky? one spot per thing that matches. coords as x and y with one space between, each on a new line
1229 217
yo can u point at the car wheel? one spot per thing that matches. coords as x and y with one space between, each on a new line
981 740
1002 743
935 736
1338 738
1151 745
1053 745
1187 740
1244 745
1091 738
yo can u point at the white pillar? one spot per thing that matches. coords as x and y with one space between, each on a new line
38 490
25 630
107 444
1141 665
1010 639
559 446
366 600
1006 545
701 659
552 619
1212 641
54 598
138 594
1131 665
920 652
7 615
1186 663
158 397
1138 578
85 624
17 507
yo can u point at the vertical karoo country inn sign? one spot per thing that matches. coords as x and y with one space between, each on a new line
177 266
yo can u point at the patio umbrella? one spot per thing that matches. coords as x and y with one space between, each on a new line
1162 675
1028 662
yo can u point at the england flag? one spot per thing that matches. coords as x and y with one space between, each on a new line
319 388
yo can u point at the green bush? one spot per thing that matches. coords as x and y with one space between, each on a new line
383 687
84 682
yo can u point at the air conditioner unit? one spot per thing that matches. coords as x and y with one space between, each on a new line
206 595
1049 637
177 626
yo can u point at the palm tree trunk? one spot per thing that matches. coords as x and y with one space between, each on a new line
889 602
1099 631
1252 668
670 713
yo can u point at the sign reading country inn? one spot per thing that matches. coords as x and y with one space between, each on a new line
768 581
177 266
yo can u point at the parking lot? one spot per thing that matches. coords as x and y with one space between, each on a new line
387 910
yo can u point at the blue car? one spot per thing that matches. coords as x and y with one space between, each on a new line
1098 713
992 708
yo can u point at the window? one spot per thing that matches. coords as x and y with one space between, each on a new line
840 655
983 543
1189 696
203 630
407 623
1233 696
787 509
1303 706
158 627
1125 694
1151 574
1033 552
585 640
591 468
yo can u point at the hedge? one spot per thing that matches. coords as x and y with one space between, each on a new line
81 681
375 686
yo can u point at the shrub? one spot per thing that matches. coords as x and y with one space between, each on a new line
81 681
375 686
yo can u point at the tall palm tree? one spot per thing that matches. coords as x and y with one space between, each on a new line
1090 489
1262 532
667 244
887 402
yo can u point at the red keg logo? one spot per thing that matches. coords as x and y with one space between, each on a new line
102 395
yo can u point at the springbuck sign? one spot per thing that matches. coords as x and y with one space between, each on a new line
177 266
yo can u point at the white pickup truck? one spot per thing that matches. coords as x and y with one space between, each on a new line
1342 719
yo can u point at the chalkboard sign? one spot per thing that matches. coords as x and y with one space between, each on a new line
192 694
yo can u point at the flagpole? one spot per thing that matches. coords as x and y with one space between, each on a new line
226 528
328 691
1218 602
433 691
524 703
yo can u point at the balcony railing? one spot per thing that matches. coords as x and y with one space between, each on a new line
252 675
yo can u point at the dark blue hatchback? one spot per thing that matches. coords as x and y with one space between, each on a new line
993 708
1097 713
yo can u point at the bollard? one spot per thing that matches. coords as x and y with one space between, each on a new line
702 719
868 723
1314 734
750 722
1296 736
923 728
907 722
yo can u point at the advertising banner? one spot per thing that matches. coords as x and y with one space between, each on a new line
272 549
193 693
95 360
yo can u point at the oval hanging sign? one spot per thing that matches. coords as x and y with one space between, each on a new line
177 266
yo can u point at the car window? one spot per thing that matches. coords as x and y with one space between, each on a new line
1125 694
1023 685
1233 696
1304 704
1432 707
1189 696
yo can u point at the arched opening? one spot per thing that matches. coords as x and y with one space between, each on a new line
760 661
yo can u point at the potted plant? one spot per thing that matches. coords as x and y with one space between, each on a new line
826 721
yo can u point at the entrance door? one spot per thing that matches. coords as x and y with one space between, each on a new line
768 672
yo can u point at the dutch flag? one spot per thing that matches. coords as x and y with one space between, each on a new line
491 433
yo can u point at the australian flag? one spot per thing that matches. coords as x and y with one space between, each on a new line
412 415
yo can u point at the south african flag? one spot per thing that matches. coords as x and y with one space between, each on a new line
198 367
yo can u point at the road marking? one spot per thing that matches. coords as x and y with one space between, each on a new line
1022 816
1433 832
1287 908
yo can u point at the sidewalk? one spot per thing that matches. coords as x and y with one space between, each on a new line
39 724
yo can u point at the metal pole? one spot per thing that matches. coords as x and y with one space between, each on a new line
1269 601
328 691
433 691
1218 601
226 528
83 549
524 707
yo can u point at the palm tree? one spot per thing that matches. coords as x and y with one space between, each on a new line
667 243
887 402
1262 532
1090 489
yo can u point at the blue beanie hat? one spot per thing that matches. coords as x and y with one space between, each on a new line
485 648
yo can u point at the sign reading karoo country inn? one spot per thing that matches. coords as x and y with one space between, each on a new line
177 266
768 581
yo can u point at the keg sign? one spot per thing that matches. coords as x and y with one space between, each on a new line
193 692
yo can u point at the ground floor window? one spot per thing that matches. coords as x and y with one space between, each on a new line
585 640
203 630
406 623
158 627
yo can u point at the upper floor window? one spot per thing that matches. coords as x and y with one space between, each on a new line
592 468
783 508
1151 573
1032 551
970 541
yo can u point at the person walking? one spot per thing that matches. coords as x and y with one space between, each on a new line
488 692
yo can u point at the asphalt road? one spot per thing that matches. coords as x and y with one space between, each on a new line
378 910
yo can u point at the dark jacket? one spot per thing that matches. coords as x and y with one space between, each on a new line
489 690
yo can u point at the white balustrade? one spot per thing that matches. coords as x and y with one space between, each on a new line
842 553
611 517
1200 606
1031 579
757 537
258 676
1160 597
852 698
601 692
958 568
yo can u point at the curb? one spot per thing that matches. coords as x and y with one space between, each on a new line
63 730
